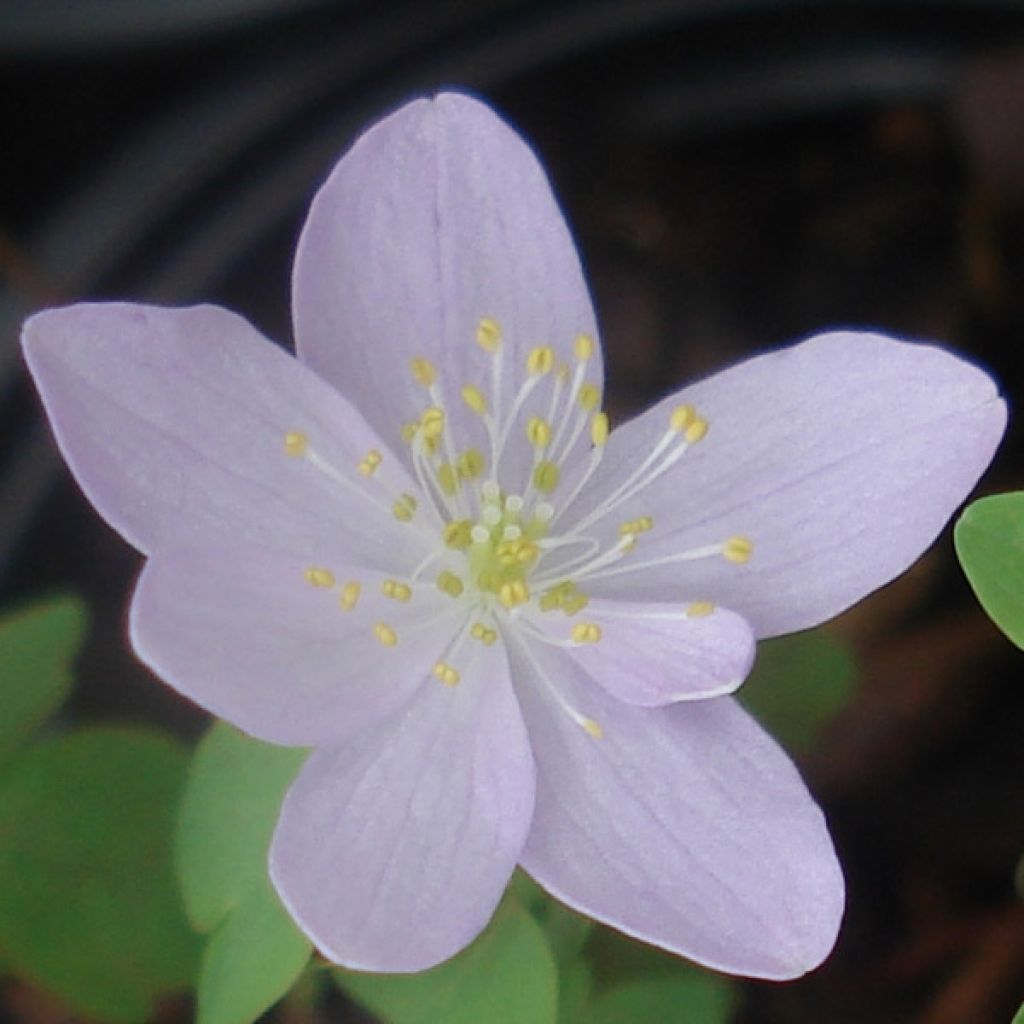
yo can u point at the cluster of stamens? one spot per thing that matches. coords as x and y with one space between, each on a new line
497 548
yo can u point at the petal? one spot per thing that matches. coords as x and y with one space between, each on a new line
173 422
684 826
393 850
243 633
653 654
438 216
840 458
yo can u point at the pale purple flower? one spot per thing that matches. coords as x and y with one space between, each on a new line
510 637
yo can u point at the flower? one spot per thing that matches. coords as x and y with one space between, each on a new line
509 635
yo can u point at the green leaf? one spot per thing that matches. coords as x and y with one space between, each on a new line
37 647
989 540
575 984
1018 1017
88 905
693 999
798 684
232 799
250 961
507 976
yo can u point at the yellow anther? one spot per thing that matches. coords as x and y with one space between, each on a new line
370 463
458 534
588 397
520 551
538 432
432 422
682 416
349 595
423 371
546 476
699 609
635 526
583 347
409 432
446 673
488 334
296 443
599 429
319 577
385 634
592 728
484 634
513 593
450 584
404 508
586 633
448 478
474 398
696 430
396 590
575 603
470 464
540 360
738 549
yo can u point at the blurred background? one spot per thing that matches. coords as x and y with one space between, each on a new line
738 173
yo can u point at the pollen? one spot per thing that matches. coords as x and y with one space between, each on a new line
296 443
448 478
423 371
319 577
635 526
385 634
488 334
446 673
699 609
450 584
396 590
513 593
432 422
538 432
681 418
483 633
583 347
404 508
546 476
470 464
349 595
599 429
540 360
586 633
738 549
474 398
370 463
588 397
696 431
458 534
592 728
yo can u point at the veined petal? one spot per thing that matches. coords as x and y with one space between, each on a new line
285 650
393 850
685 826
652 654
437 217
174 422
840 459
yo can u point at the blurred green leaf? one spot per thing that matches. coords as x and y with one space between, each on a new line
88 905
250 961
798 684
1018 1017
37 647
507 976
575 984
232 799
989 540
696 999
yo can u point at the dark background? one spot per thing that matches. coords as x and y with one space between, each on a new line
738 173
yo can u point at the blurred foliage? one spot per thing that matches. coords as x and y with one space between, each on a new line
1019 1016
798 685
989 539
254 952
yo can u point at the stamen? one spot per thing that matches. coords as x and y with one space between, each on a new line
470 464
458 534
635 526
349 595
385 634
699 609
371 461
404 508
588 397
446 673
583 347
450 584
513 593
738 550
423 370
540 361
538 432
319 577
396 590
488 334
474 398
448 479
432 422
588 725
296 443
485 635
546 476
